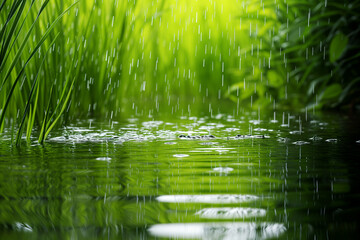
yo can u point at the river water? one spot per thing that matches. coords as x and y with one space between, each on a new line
247 177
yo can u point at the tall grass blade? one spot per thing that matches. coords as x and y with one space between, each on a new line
5 43
13 9
61 111
2 5
43 127
21 48
31 119
34 86
6 48
46 34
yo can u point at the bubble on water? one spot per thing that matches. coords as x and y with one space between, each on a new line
239 136
202 137
182 136
181 155
331 140
300 143
189 137
358 141
208 137
103 158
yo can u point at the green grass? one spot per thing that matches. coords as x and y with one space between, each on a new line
62 60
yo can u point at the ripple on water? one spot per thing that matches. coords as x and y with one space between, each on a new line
218 230
152 124
222 151
208 143
300 143
103 158
170 143
223 169
208 198
231 213
331 140
260 129
283 140
232 129
315 138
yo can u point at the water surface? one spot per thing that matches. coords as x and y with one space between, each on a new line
292 178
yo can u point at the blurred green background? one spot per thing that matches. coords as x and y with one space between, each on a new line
64 60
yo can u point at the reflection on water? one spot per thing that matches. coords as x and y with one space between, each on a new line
231 213
252 178
220 230
213 198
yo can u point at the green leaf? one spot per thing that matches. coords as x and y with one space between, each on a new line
332 91
337 46
274 78
22 46
33 88
347 89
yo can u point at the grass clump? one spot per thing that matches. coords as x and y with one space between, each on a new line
183 57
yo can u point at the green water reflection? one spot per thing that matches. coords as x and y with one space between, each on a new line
137 180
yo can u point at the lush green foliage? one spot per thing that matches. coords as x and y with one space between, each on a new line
61 60
322 51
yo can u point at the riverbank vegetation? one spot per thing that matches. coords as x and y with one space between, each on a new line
64 60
